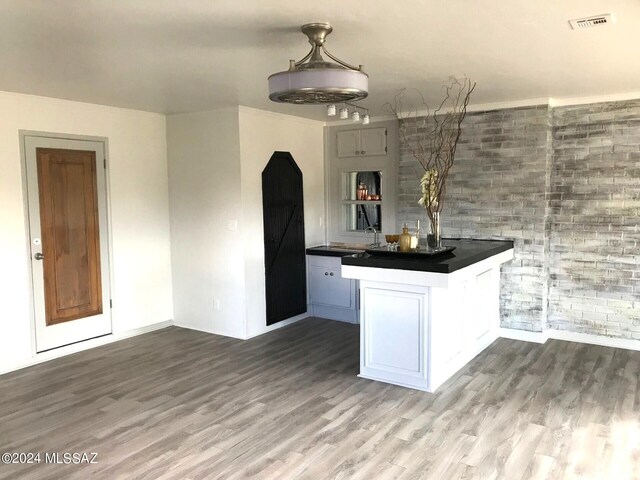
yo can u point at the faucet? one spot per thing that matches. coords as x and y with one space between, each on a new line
375 236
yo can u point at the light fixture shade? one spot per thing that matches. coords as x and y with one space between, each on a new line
314 80
366 119
318 86
355 116
344 113
331 110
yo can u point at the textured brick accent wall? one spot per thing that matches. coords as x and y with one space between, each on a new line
564 183
594 208
496 189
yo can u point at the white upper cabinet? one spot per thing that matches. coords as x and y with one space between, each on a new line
348 143
373 141
362 142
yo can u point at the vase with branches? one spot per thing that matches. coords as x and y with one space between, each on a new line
431 137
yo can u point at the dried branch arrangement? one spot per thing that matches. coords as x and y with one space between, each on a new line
432 137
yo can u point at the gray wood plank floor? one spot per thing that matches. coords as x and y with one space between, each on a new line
180 404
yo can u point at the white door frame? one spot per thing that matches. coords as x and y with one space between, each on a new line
25 197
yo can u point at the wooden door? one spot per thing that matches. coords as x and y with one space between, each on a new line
284 243
66 193
70 234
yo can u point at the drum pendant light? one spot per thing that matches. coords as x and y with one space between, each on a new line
313 80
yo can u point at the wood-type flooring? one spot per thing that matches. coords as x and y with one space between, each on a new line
182 404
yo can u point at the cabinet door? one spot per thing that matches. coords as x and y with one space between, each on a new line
327 287
373 141
319 285
348 143
340 289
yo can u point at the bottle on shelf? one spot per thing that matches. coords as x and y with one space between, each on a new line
415 236
404 244
361 192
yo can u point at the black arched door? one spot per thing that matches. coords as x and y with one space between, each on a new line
284 245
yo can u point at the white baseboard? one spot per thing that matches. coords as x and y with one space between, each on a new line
86 345
282 323
625 343
210 330
266 329
542 337
524 335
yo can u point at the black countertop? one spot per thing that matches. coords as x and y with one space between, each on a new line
467 253
333 251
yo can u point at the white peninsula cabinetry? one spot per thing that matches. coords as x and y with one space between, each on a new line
423 320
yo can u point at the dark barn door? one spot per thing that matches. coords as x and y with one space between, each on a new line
284 246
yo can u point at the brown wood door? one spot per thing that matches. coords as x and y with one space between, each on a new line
70 234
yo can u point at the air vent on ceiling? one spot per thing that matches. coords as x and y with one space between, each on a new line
588 22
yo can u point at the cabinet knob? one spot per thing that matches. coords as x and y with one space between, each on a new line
357 152
331 274
362 152
326 273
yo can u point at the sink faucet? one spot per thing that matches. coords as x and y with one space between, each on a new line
375 236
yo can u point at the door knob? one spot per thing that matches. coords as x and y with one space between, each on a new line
38 256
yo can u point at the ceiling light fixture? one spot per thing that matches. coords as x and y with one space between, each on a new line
313 80
344 113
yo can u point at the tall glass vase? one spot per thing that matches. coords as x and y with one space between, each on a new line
434 239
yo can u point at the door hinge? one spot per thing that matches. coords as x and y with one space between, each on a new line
105 163
385 149
110 303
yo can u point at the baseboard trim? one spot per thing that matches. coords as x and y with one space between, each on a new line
542 337
601 340
523 335
86 345
271 328
281 324
210 331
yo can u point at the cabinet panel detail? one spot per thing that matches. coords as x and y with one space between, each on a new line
373 141
362 142
348 143
394 329
319 286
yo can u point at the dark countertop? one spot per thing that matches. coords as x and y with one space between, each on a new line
333 251
467 252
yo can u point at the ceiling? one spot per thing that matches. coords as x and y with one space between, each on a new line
173 56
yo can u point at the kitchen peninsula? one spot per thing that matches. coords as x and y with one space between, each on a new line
422 319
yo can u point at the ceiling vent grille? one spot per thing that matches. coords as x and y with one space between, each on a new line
589 22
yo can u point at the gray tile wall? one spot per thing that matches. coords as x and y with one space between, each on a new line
594 202
564 184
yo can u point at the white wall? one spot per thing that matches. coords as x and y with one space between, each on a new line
141 267
216 160
204 191
262 133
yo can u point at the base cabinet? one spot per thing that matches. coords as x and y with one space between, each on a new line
419 334
394 320
330 295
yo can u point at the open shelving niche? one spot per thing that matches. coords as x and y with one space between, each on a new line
340 201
